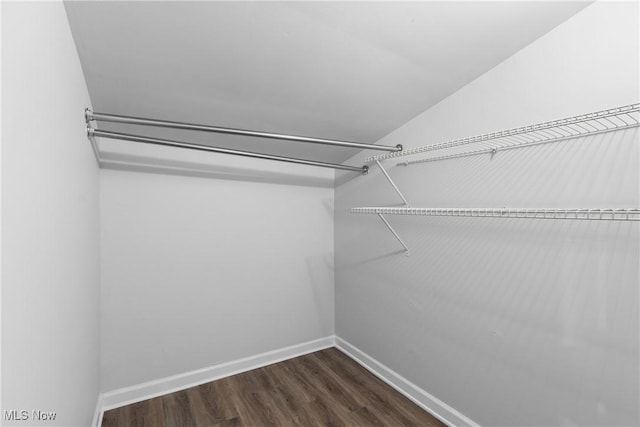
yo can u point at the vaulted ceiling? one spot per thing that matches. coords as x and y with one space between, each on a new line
345 70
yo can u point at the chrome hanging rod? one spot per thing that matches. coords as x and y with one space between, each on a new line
170 143
104 117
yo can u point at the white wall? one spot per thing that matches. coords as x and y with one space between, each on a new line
510 321
50 259
198 269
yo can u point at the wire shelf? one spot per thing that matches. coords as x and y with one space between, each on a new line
613 119
614 214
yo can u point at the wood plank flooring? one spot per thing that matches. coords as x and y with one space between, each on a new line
325 388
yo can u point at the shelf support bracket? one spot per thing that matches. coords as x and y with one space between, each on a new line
406 248
395 187
94 144
404 201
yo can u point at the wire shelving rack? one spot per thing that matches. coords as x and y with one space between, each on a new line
584 125
621 214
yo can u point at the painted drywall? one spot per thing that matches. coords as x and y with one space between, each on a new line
512 322
198 269
50 259
343 70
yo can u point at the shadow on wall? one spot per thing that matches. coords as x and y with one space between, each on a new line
529 308
320 271
128 162
343 177
537 297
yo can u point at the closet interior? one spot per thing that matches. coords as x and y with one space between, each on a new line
217 216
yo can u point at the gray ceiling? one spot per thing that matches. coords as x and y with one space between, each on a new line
345 70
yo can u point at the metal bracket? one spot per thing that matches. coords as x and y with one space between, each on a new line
393 184
88 115
404 200
406 248
92 139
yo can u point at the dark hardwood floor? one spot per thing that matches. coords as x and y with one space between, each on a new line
325 388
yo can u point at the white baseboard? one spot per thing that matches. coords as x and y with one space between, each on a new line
431 404
136 393
148 390
97 414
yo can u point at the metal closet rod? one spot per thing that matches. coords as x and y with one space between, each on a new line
114 118
170 143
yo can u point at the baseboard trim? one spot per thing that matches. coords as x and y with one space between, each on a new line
420 397
97 414
136 393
